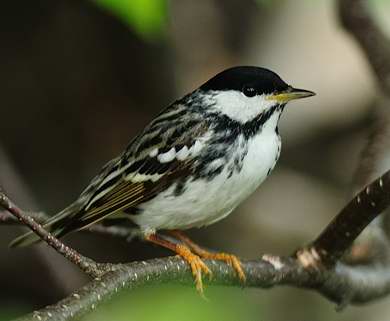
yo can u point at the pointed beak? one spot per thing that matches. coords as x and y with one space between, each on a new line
290 94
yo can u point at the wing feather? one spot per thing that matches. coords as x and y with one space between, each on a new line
128 194
138 186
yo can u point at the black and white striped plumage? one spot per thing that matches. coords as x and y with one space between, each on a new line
194 163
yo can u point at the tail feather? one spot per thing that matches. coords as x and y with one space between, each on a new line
54 225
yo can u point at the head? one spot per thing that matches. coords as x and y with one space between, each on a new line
245 93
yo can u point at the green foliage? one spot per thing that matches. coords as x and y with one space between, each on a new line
147 18
11 311
177 303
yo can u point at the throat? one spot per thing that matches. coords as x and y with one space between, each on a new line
266 122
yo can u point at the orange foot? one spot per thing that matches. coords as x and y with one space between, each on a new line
230 259
195 262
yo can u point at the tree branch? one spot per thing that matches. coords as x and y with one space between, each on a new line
7 218
340 283
40 217
85 264
339 235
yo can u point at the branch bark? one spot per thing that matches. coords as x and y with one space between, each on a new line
339 235
87 265
40 217
343 285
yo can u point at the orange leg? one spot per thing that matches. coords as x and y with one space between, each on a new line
230 259
195 262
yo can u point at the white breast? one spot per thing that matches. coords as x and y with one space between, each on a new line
205 202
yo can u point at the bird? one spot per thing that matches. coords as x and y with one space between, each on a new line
190 167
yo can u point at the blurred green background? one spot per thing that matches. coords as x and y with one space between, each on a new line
80 78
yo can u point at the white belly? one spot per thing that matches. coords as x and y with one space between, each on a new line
205 202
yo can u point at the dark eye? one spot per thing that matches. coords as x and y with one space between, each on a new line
249 91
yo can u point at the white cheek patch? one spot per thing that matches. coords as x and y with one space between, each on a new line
239 107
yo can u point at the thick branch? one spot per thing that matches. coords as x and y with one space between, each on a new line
356 18
342 285
352 220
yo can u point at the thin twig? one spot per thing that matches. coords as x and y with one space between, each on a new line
7 218
87 265
40 217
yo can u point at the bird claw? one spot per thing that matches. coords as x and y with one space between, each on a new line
197 266
233 261
230 259
236 264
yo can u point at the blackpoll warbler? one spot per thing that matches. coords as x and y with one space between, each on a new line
191 166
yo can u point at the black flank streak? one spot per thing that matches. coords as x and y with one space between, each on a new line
211 174
180 187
